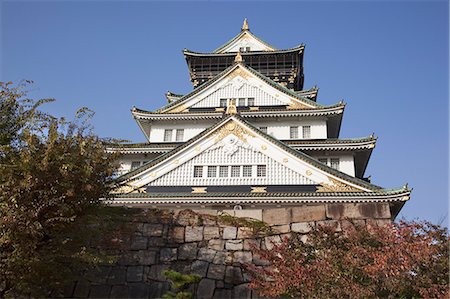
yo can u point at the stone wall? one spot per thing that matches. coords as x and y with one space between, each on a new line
210 246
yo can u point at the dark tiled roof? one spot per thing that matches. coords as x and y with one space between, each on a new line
294 49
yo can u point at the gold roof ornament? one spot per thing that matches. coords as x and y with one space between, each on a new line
245 25
231 108
238 57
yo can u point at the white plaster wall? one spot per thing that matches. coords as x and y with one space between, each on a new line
125 161
280 129
248 42
191 129
276 172
236 90
346 162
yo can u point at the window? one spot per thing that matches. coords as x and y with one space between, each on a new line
180 135
306 132
235 171
261 171
247 171
135 164
334 163
293 132
244 49
263 129
168 135
331 162
223 102
223 171
251 102
241 102
212 171
198 171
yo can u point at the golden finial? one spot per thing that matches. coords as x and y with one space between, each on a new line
238 57
231 108
245 25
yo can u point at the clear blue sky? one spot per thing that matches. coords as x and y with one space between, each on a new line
387 60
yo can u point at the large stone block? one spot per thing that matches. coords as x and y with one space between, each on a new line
244 233
100 291
146 257
187 251
277 216
229 233
135 273
138 243
302 227
152 230
168 254
242 292
308 213
193 233
206 288
254 214
117 275
81 289
358 211
216 244
233 275
156 272
242 257
216 271
138 290
281 229
250 244
211 232
119 291
200 268
234 245
223 257
178 234
206 254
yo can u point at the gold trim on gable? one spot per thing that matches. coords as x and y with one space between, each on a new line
199 190
232 128
337 186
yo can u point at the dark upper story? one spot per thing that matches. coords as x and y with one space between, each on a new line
282 66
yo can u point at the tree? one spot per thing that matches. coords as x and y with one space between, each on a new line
52 175
404 260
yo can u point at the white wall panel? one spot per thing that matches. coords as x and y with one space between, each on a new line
277 173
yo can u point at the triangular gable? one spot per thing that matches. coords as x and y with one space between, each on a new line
265 91
244 39
303 167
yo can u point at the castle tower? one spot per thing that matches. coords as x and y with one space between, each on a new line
248 136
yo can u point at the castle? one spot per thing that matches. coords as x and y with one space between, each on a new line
249 137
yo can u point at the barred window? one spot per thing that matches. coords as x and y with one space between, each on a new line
235 171
198 171
293 132
334 163
306 132
168 135
251 102
247 171
263 129
223 102
241 102
212 171
261 171
135 164
223 171
180 135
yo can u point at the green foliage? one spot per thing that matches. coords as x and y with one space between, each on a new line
52 175
179 283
